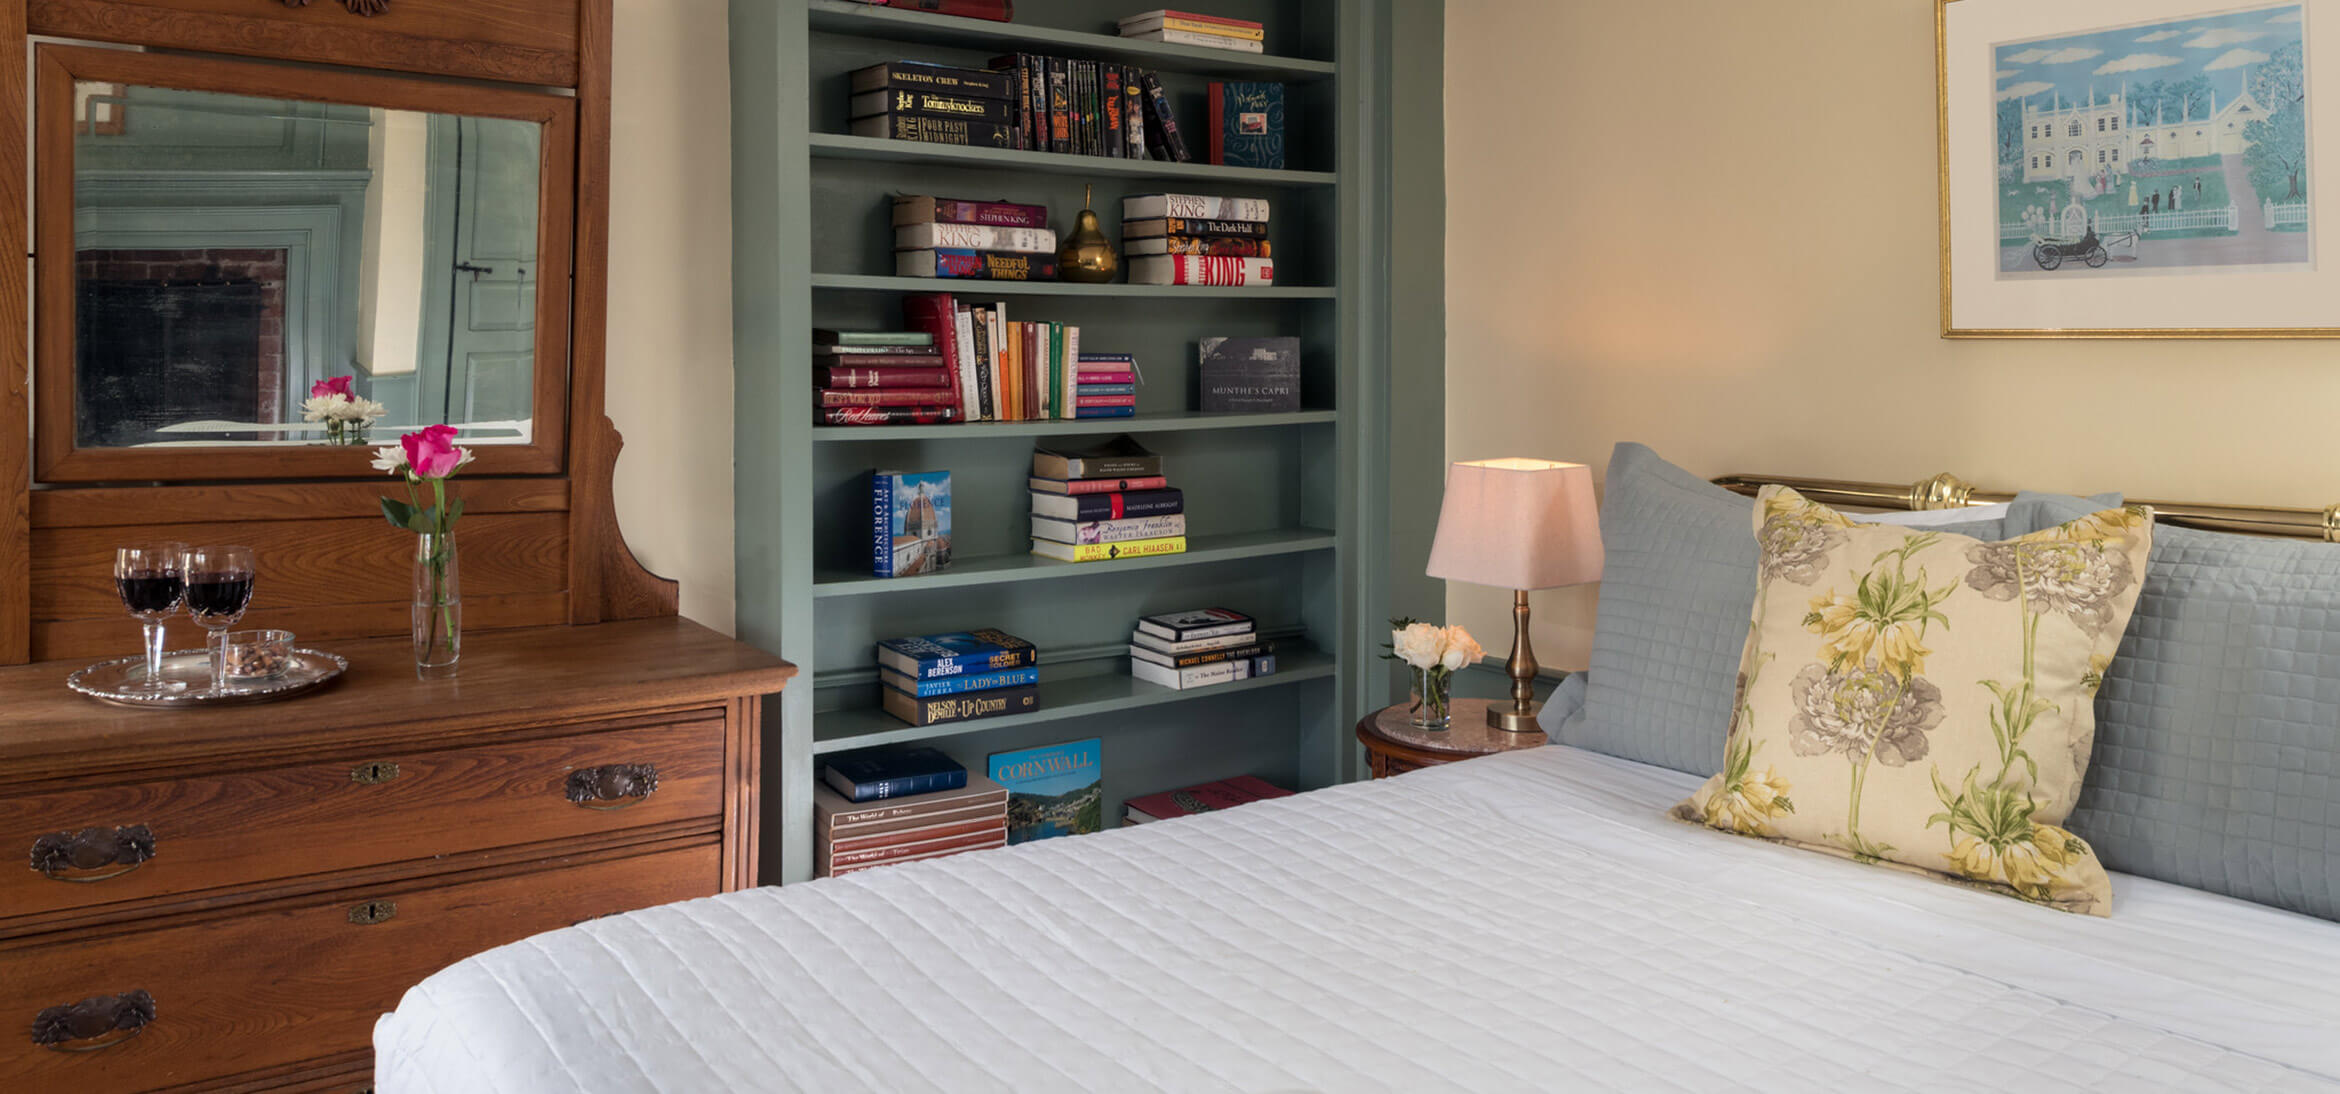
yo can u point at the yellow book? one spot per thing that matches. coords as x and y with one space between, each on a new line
1195 26
1106 552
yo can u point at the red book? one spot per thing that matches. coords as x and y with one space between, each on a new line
1207 798
998 11
1108 378
887 415
994 824
841 871
928 359
899 397
1097 486
837 860
837 379
937 314
1194 17
1104 400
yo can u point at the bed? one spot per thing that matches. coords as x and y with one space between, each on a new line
1529 921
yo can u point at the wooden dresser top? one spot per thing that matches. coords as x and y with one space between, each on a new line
508 679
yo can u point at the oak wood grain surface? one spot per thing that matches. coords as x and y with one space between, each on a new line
525 41
115 506
15 365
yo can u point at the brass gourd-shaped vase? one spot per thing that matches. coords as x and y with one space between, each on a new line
1086 256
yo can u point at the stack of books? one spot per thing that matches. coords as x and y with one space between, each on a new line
1207 798
937 678
881 378
1188 239
879 807
1105 502
982 240
1089 108
1199 648
1105 386
936 104
1006 371
1187 28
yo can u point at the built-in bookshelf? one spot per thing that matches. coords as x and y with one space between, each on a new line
1287 512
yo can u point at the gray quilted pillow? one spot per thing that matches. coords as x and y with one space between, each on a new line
1676 593
2217 760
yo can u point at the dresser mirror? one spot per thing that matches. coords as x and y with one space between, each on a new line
216 238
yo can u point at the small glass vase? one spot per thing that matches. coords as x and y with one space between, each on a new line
438 605
1433 706
343 433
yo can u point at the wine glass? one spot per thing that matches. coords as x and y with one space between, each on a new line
219 588
152 581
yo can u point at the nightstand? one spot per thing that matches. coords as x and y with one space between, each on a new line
1394 748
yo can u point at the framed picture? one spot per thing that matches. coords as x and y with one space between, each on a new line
2138 169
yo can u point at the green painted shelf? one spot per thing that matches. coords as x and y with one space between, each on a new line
1147 423
1000 569
1081 696
838 146
844 17
982 288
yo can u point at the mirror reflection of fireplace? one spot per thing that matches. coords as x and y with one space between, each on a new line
169 337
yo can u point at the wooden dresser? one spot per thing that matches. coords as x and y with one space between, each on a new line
228 898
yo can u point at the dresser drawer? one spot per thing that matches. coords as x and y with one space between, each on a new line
188 835
297 980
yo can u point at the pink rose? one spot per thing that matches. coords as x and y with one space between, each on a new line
431 453
339 385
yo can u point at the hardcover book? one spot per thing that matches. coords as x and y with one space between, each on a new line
1148 22
932 105
1108 531
1167 647
976 838
1172 143
994 824
1250 375
875 341
925 209
910 522
886 415
845 379
878 355
916 76
1109 552
1202 676
1156 227
1247 124
918 127
841 871
1244 652
1187 626
1194 207
1121 457
1054 791
891 397
892 772
976 237
1207 798
934 656
1097 486
958 685
834 813
1198 245
1105 412
1201 270
1118 506
959 708
1175 37
977 265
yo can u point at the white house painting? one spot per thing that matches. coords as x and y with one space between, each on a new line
2177 146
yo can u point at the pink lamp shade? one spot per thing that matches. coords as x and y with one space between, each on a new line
1518 524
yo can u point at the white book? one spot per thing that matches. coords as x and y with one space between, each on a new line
1193 38
972 408
999 358
1193 207
1197 676
980 237
1162 645
1219 270
1108 531
1066 405
1147 24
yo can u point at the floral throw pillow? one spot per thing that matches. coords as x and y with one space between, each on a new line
1927 700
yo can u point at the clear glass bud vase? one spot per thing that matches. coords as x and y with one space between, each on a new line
1433 698
438 605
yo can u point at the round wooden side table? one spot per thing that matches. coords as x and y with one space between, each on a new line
1394 748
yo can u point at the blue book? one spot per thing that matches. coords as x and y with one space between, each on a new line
1054 791
1105 412
1107 389
910 522
1247 124
956 685
935 656
875 773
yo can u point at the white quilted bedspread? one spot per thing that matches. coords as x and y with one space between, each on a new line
1524 922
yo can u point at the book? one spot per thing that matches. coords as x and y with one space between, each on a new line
837 814
1085 389
1118 506
1203 228
1125 379
1244 652
1057 790
990 834
1219 23
928 130
1248 32
1164 122
1202 676
841 871
1250 375
958 685
1108 531
924 209
890 397
1187 626
1086 402
1208 798
910 522
994 825
1109 103
933 656
836 378
887 415
1109 552
998 11
919 76
1060 111
960 708
1168 36
930 105
1105 412
1133 114
1198 245
851 357
1247 124
1161 645
1194 207
976 237
1121 457
975 265
1201 270
1097 486
892 772
874 341
978 378
936 316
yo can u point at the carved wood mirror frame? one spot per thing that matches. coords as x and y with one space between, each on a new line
57 458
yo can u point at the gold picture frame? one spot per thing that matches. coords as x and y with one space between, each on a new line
2021 20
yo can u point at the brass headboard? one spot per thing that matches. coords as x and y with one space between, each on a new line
1948 491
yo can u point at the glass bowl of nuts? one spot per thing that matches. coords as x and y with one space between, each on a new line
255 655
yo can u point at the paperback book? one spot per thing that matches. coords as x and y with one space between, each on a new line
1198 623
957 685
930 130
930 104
1108 531
937 710
910 522
1121 457
1118 506
1058 790
935 656
918 76
1109 552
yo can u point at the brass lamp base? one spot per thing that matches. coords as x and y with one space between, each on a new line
1520 715
1516 721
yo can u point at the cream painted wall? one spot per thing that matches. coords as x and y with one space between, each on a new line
1711 226
670 294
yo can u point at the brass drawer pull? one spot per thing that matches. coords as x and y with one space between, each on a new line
612 786
373 773
369 912
94 1022
72 856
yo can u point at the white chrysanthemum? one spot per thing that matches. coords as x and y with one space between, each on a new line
361 411
324 408
390 458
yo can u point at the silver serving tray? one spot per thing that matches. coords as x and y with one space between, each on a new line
106 681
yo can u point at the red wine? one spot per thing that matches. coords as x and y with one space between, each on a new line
151 593
221 595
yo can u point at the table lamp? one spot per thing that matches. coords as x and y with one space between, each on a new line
1518 525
